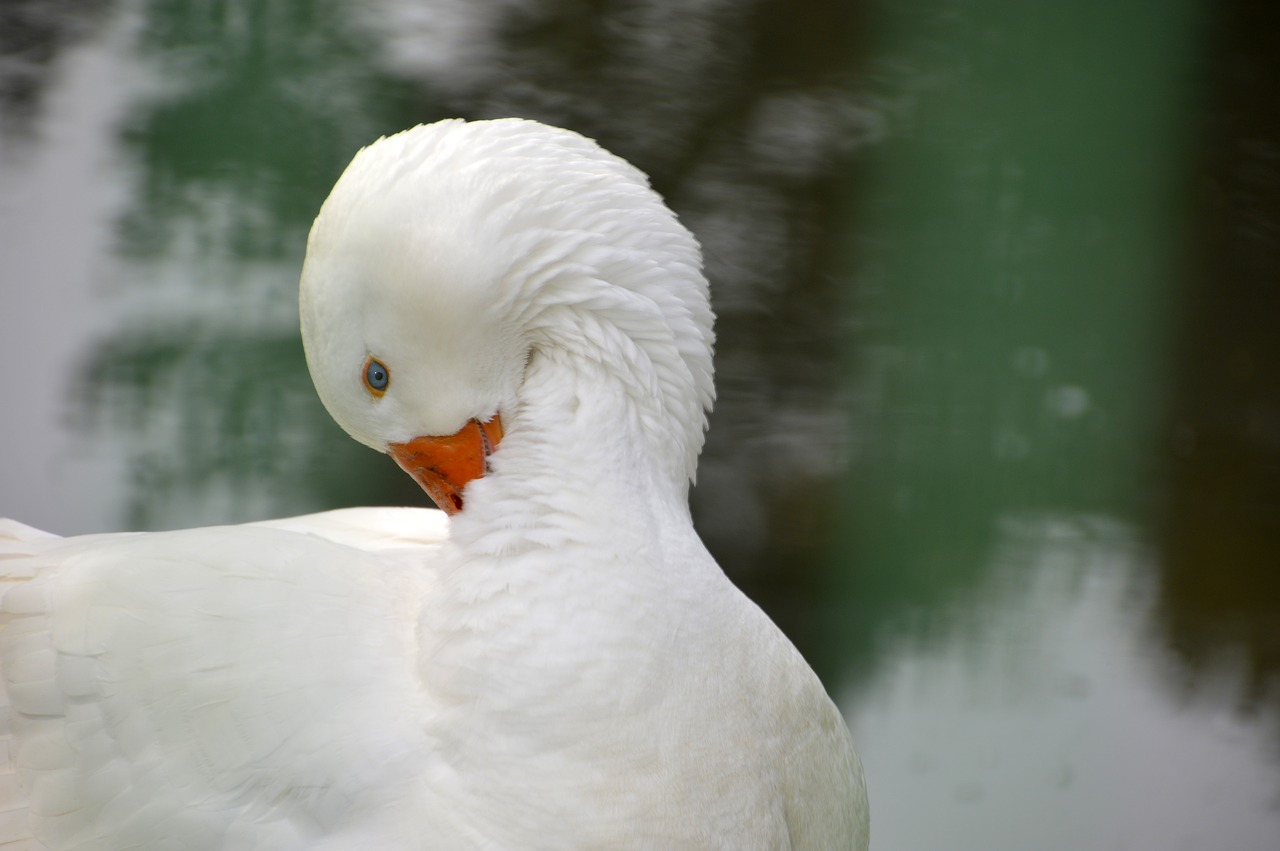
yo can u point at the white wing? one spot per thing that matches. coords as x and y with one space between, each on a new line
234 687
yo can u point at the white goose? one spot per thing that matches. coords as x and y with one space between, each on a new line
560 665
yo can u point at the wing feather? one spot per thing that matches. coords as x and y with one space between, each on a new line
241 687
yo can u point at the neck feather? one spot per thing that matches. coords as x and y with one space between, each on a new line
590 458
584 515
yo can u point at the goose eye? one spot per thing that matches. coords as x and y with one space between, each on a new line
376 376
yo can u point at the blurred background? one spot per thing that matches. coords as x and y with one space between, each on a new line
998 432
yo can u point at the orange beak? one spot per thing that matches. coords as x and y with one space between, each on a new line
444 465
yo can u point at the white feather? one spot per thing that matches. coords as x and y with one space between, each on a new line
561 666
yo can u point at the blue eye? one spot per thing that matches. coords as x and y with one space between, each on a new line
376 376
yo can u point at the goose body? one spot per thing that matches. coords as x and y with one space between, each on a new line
515 316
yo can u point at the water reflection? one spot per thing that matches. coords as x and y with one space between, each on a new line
33 34
204 383
63 187
1043 721
1220 532
972 215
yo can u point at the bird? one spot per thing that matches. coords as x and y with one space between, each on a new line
552 661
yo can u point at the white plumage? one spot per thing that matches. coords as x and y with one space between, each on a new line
559 665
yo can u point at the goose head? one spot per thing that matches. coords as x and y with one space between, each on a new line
449 256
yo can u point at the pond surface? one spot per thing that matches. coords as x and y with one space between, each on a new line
997 439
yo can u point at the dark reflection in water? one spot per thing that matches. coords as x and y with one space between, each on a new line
32 34
1220 594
